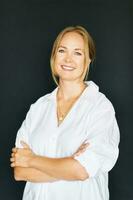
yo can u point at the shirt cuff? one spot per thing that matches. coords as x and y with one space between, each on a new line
91 162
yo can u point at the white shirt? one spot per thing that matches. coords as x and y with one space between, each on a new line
91 119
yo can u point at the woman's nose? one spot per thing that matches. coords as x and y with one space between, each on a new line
68 58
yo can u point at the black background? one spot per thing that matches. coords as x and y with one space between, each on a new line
27 31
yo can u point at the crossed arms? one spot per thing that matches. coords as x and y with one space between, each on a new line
34 168
101 155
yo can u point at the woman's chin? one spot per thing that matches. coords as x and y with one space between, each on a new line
66 78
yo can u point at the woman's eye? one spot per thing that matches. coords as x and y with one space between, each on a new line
78 53
61 51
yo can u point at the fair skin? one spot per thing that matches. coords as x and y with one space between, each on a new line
34 168
69 65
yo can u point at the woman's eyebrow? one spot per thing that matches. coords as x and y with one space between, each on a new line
62 47
77 49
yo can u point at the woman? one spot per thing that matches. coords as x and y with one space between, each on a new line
69 140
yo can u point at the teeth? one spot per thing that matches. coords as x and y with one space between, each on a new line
67 67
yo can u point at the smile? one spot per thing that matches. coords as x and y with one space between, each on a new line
67 68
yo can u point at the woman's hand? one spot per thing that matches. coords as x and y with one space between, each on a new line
21 157
81 149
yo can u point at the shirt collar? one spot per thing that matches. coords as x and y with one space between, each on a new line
91 91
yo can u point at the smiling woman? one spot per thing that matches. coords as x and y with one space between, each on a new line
69 140
70 57
81 45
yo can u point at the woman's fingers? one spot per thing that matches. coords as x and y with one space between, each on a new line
12 154
14 150
12 159
81 149
13 164
84 146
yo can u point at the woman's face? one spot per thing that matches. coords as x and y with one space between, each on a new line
70 57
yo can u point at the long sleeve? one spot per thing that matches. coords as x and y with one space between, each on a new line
103 137
24 130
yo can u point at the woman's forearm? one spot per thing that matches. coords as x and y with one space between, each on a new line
31 175
60 168
46 169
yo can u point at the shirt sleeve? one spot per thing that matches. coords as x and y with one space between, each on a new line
23 132
103 138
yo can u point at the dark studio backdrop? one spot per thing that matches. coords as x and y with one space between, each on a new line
27 32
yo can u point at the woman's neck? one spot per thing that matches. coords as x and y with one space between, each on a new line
68 89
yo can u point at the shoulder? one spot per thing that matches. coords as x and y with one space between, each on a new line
103 103
98 99
42 101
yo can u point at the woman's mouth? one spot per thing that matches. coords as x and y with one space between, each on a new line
67 68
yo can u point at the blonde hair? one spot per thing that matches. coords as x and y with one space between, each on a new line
89 49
